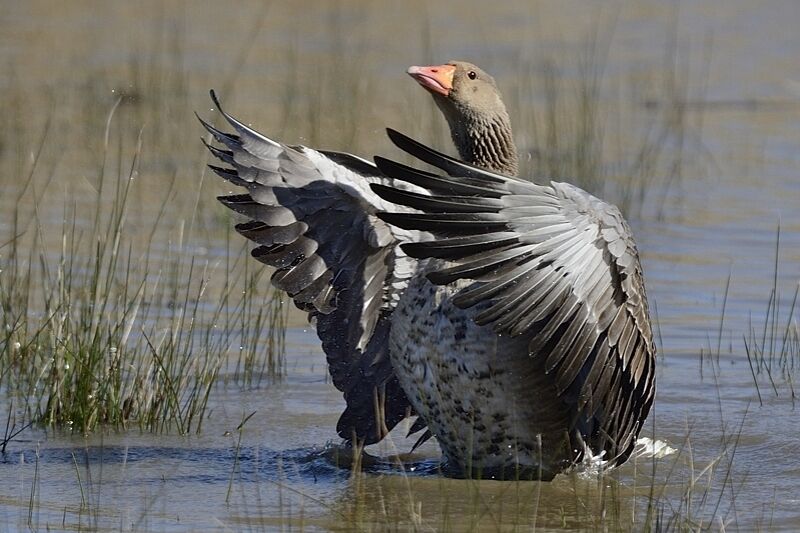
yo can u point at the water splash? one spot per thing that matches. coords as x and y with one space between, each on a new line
647 447
593 465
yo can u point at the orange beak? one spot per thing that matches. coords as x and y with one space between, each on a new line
436 79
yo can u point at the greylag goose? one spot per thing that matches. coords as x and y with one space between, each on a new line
510 317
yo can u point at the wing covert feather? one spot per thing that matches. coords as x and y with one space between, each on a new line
565 272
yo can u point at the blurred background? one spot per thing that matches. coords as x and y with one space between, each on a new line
151 379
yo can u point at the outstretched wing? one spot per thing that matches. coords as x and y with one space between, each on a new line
558 265
313 216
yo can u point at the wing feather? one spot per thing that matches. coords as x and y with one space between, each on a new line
553 263
312 216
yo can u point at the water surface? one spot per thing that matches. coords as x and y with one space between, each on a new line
716 222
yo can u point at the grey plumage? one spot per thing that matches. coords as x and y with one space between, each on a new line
311 217
564 274
511 317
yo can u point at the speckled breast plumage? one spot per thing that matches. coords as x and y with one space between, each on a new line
491 406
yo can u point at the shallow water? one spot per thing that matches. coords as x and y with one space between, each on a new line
719 219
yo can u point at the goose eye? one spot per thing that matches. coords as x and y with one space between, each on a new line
472 75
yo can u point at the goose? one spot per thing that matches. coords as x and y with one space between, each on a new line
510 318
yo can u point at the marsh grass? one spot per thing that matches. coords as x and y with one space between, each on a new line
574 130
102 327
676 495
114 315
773 346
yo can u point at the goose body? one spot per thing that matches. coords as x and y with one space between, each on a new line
481 394
510 317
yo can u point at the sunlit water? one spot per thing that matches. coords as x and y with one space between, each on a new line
286 467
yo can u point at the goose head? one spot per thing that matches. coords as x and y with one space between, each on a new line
471 103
